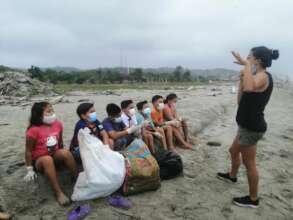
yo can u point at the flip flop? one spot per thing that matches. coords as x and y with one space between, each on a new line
119 202
80 212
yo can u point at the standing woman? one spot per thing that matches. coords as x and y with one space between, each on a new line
44 148
255 89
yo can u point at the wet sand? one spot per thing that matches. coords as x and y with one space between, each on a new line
198 194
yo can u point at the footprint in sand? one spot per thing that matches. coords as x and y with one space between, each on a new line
286 137
287 193
286 154
13 167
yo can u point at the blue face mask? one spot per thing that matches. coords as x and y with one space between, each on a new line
92 117
147 111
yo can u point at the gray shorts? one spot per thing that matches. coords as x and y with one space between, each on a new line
247 137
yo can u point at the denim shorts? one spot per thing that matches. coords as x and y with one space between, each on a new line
247 137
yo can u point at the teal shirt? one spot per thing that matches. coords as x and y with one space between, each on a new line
140 119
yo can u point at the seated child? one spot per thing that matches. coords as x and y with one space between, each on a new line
170 113
117 130
87 118
170 127
128 113
144 114
129 119
44 148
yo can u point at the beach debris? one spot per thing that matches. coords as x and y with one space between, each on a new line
85 100
17 88
4 124
20 84
28 101
216 89
76 93
56 100
214 143
109 92
214 94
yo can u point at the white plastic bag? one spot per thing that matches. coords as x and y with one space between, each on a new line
104 169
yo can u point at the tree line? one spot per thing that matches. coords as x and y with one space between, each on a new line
111 75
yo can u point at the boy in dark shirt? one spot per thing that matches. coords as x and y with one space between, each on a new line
88 118
117 130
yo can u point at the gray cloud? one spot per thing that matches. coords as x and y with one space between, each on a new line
195 34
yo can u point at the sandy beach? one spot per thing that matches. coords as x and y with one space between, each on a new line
198 194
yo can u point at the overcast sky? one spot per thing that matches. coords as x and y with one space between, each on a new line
150 33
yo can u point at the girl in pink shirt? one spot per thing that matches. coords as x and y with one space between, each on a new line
44 147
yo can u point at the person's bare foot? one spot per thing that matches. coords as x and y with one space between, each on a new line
174 150
187 146
4 216
193 140
63 200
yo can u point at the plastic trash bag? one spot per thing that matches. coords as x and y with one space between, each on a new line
104 169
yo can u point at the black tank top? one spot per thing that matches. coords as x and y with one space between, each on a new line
250 113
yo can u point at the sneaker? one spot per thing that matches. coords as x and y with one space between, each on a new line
226 177
246 202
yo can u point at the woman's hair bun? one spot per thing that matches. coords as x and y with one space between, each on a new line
275 54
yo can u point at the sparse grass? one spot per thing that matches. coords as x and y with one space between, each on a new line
61 88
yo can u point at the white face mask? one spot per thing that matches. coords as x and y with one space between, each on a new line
49 119
132 112
118 120
161 106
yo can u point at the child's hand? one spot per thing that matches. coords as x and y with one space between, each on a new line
158 135
31 175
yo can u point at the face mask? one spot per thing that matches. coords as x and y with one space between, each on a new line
118 120
147 111
160 106
49 119
92 117
173 105
132 112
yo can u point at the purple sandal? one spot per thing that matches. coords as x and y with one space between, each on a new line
119 202
80 212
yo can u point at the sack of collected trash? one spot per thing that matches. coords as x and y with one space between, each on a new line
170 164
104 169
143 173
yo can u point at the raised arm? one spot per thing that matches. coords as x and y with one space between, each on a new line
250 82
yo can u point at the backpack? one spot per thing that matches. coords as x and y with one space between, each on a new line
170 164
142 169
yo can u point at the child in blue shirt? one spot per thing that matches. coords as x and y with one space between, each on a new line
88 118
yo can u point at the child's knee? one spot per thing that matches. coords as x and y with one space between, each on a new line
44 163
63 154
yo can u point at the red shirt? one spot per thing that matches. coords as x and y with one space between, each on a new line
45 137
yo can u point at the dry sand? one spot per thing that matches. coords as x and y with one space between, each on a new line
196 195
